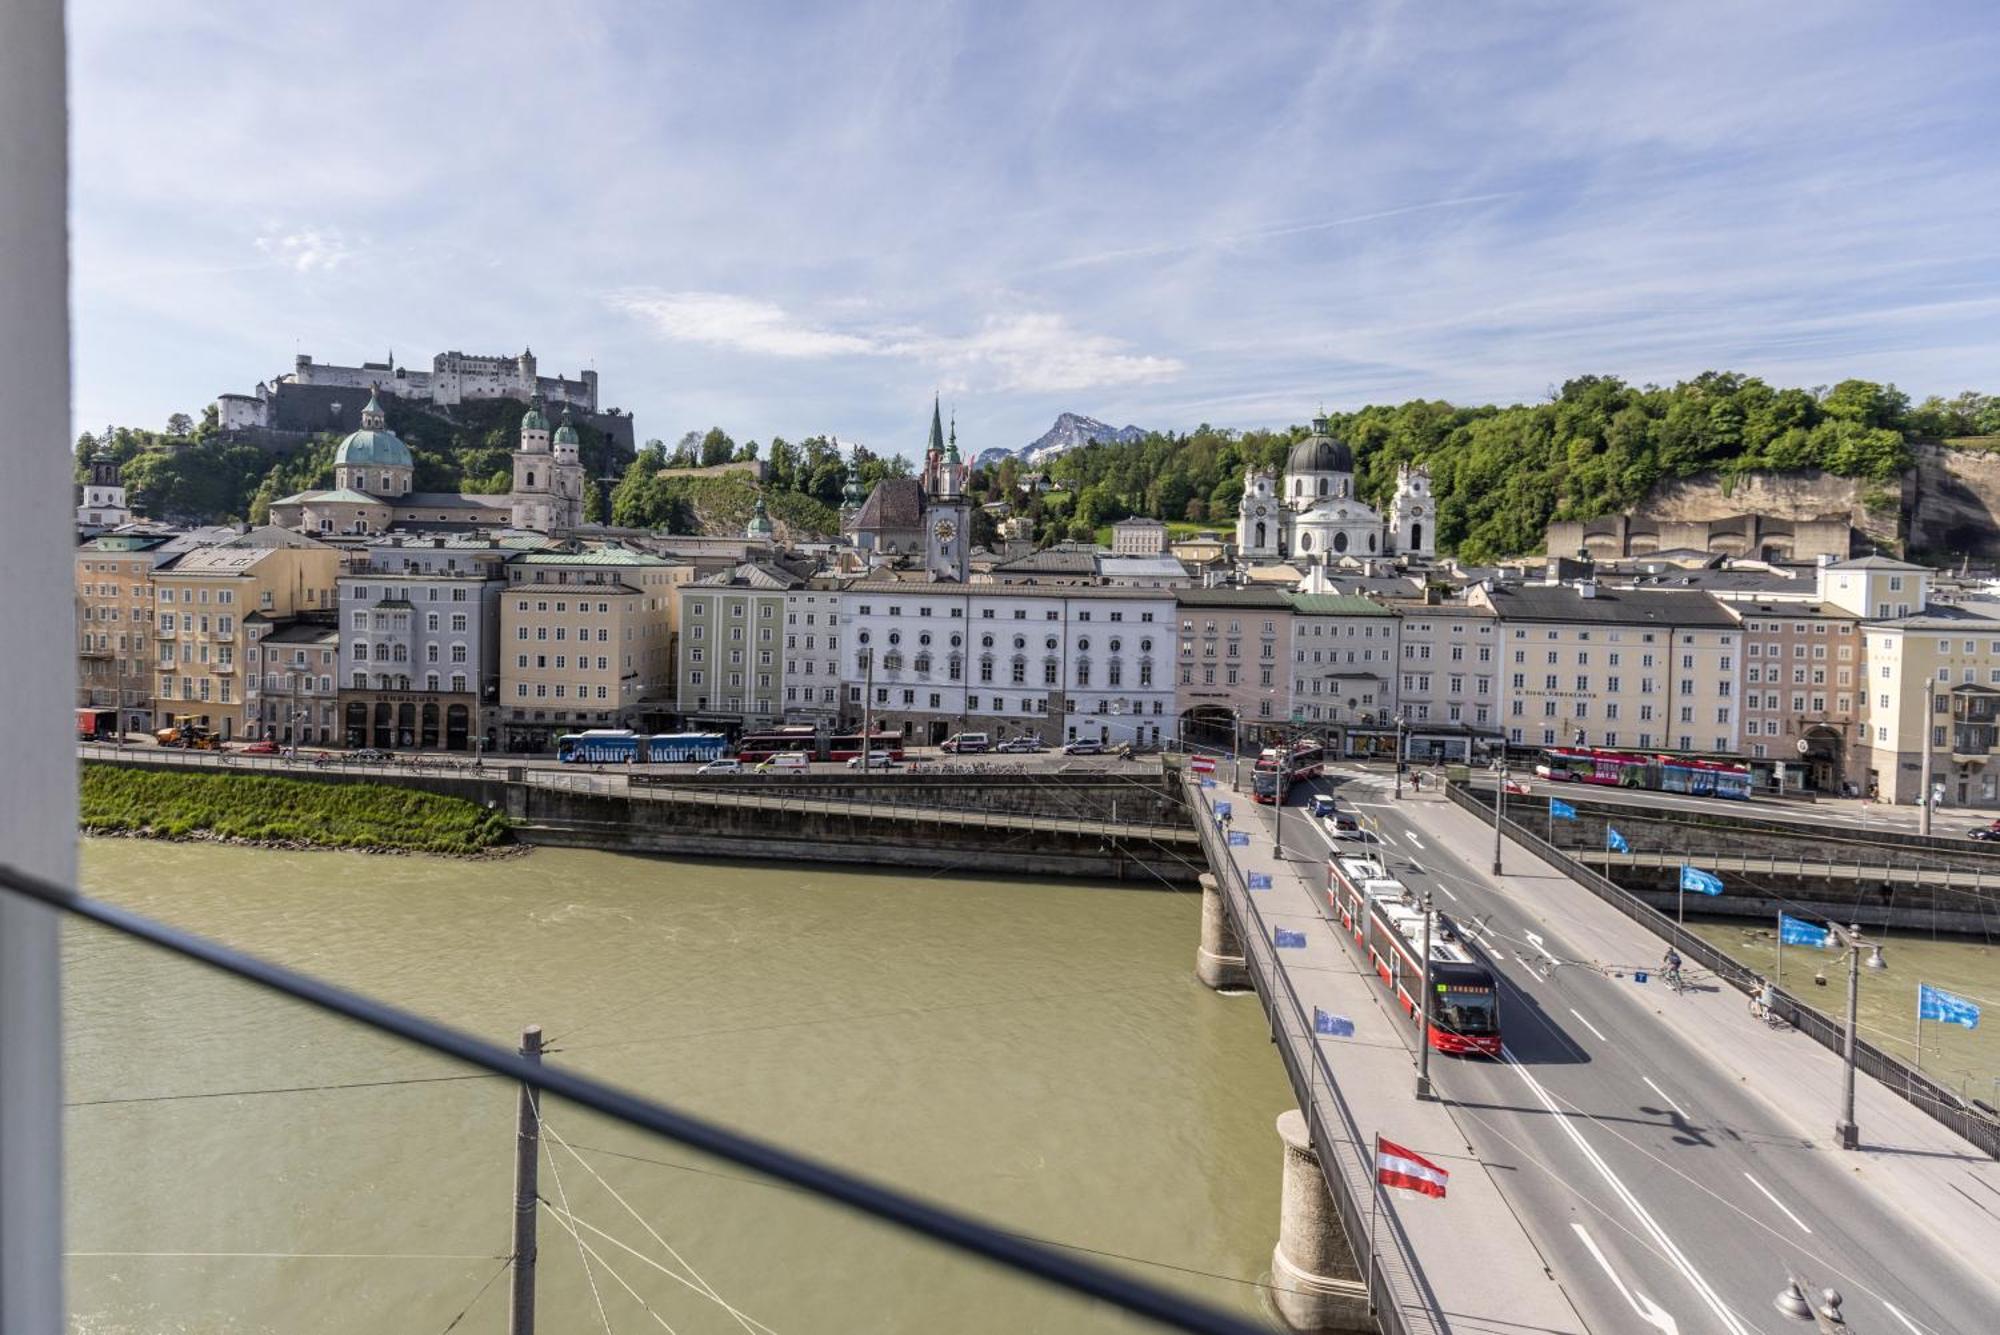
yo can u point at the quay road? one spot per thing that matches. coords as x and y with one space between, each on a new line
1673 1158
1853 815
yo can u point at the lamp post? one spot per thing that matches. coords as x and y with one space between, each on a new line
1400 747
1851 941
1424 1090
1499 805
1924 781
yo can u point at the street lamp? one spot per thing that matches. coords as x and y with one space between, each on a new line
1852 942
1400 745
1499 803
1424 1090
1793 1303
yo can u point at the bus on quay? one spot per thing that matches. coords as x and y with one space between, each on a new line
598 746
682 748
1693 775
1307 761
1462 1009
760 746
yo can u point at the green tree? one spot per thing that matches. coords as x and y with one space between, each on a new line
593 502
716 447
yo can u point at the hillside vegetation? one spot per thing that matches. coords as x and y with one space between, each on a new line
179 804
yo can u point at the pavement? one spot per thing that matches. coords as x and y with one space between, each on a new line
1672 1158
1947 822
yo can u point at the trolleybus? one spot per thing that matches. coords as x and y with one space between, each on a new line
1307 760
1631 769
1462 1009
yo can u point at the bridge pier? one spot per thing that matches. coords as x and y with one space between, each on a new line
1316 1284
1218 961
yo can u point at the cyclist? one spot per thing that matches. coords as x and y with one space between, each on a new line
1670 968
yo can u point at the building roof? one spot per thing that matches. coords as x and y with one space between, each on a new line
1227 596
1336 605
374 449
303 632
1874 562
895 503
752 575
884 582
1941 616
1128 567
601 556
494 501
218 560
1064 558
1610 606
1794 610
330 496
1140 521
1320 453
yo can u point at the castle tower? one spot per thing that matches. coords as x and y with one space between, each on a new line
533 494
1413 514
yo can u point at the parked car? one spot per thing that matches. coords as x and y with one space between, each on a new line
370 755
1023 745
1083 746
967 744
1984 832
874 760
727 765
785 760
267 747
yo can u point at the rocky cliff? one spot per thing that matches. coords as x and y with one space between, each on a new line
1953 499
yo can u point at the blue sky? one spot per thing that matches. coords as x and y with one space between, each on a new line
787 218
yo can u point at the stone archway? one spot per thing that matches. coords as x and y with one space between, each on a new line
1208 728
1822 754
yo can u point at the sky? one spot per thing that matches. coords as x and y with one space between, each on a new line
788 219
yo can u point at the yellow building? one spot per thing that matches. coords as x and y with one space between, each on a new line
587 640
114 623
200 602
1933 677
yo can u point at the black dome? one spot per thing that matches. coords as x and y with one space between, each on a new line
1320 453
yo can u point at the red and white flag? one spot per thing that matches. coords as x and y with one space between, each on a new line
1202 765
1398 1167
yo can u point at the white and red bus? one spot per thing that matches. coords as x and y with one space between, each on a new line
1634 769
805 740
1463 1008
1307 761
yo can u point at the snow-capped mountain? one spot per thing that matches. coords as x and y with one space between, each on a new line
1070 431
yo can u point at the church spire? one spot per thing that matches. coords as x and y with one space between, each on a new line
951 449
936 445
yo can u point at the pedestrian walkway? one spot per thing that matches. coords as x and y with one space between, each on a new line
1462 1263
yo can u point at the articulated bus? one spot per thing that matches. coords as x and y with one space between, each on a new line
1660 773
622 746
1307 761
1463 1008
760 746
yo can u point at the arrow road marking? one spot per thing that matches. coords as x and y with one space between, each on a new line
1914 1328
1648 1311
1672 1252
1775 1201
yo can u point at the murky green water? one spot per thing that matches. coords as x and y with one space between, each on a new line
1039 1053
1968 1060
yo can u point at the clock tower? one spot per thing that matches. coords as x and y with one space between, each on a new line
1260 520
947 513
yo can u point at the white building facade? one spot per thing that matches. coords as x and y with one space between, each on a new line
1313 512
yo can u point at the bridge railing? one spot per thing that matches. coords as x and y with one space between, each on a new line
1899 1077
1397 1293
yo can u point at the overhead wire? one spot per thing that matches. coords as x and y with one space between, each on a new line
569 1223
452 1324
563 1195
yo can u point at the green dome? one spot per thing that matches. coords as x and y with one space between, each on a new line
534 421
760 521
374 449
566 433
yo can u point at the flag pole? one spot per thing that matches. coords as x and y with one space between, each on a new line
1374 1207
1781 948
1681 897
1920 1025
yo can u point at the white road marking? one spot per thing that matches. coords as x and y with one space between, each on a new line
1588 1025
1775 1201
1413 839
1648 1311
1914 1328
1663 1094
1444 889
1673 1253
1385 836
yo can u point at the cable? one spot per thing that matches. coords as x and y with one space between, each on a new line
682 1280
281 1089
702 1286
452 1324
556 1169
583 1248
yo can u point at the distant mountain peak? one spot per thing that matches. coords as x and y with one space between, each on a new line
1070 431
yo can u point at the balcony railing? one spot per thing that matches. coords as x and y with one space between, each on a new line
252 1145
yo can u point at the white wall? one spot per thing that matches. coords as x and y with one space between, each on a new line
37 802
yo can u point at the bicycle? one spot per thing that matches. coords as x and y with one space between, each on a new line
1770 1017
1674 979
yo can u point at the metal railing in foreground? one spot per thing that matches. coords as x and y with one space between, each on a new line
1898 1076
921 1218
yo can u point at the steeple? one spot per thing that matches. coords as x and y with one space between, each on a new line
936 446
760 522
372 416
951 451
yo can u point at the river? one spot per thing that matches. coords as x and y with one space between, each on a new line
1039 1053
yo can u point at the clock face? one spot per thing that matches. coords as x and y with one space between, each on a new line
1416 509
1261 511
945 530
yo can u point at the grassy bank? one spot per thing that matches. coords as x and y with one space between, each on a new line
260 809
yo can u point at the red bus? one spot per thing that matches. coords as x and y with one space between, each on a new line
1308 761
1463 1010
804 739
847 745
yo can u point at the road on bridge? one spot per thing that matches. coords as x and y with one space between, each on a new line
1672 1159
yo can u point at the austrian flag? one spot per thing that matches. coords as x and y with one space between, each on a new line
1398 1167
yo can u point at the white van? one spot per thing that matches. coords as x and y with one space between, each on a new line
967 744
786 760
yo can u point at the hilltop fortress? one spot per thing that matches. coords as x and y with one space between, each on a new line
317 397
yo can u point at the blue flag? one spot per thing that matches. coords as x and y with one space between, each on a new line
1260 880
1699 881
1286 940
1798 932
1561 810
1239 839
1208 783
1325 1022
1934 1003
1222 808
1615 841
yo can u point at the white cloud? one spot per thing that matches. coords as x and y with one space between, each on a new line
1034 352
310 250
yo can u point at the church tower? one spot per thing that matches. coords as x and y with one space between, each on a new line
947 512
566 470
534 474
104 495
1260 519
1412 514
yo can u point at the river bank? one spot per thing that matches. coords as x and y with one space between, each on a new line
265 811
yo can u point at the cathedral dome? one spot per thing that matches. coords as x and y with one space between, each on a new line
1320 453
566 433
374 449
